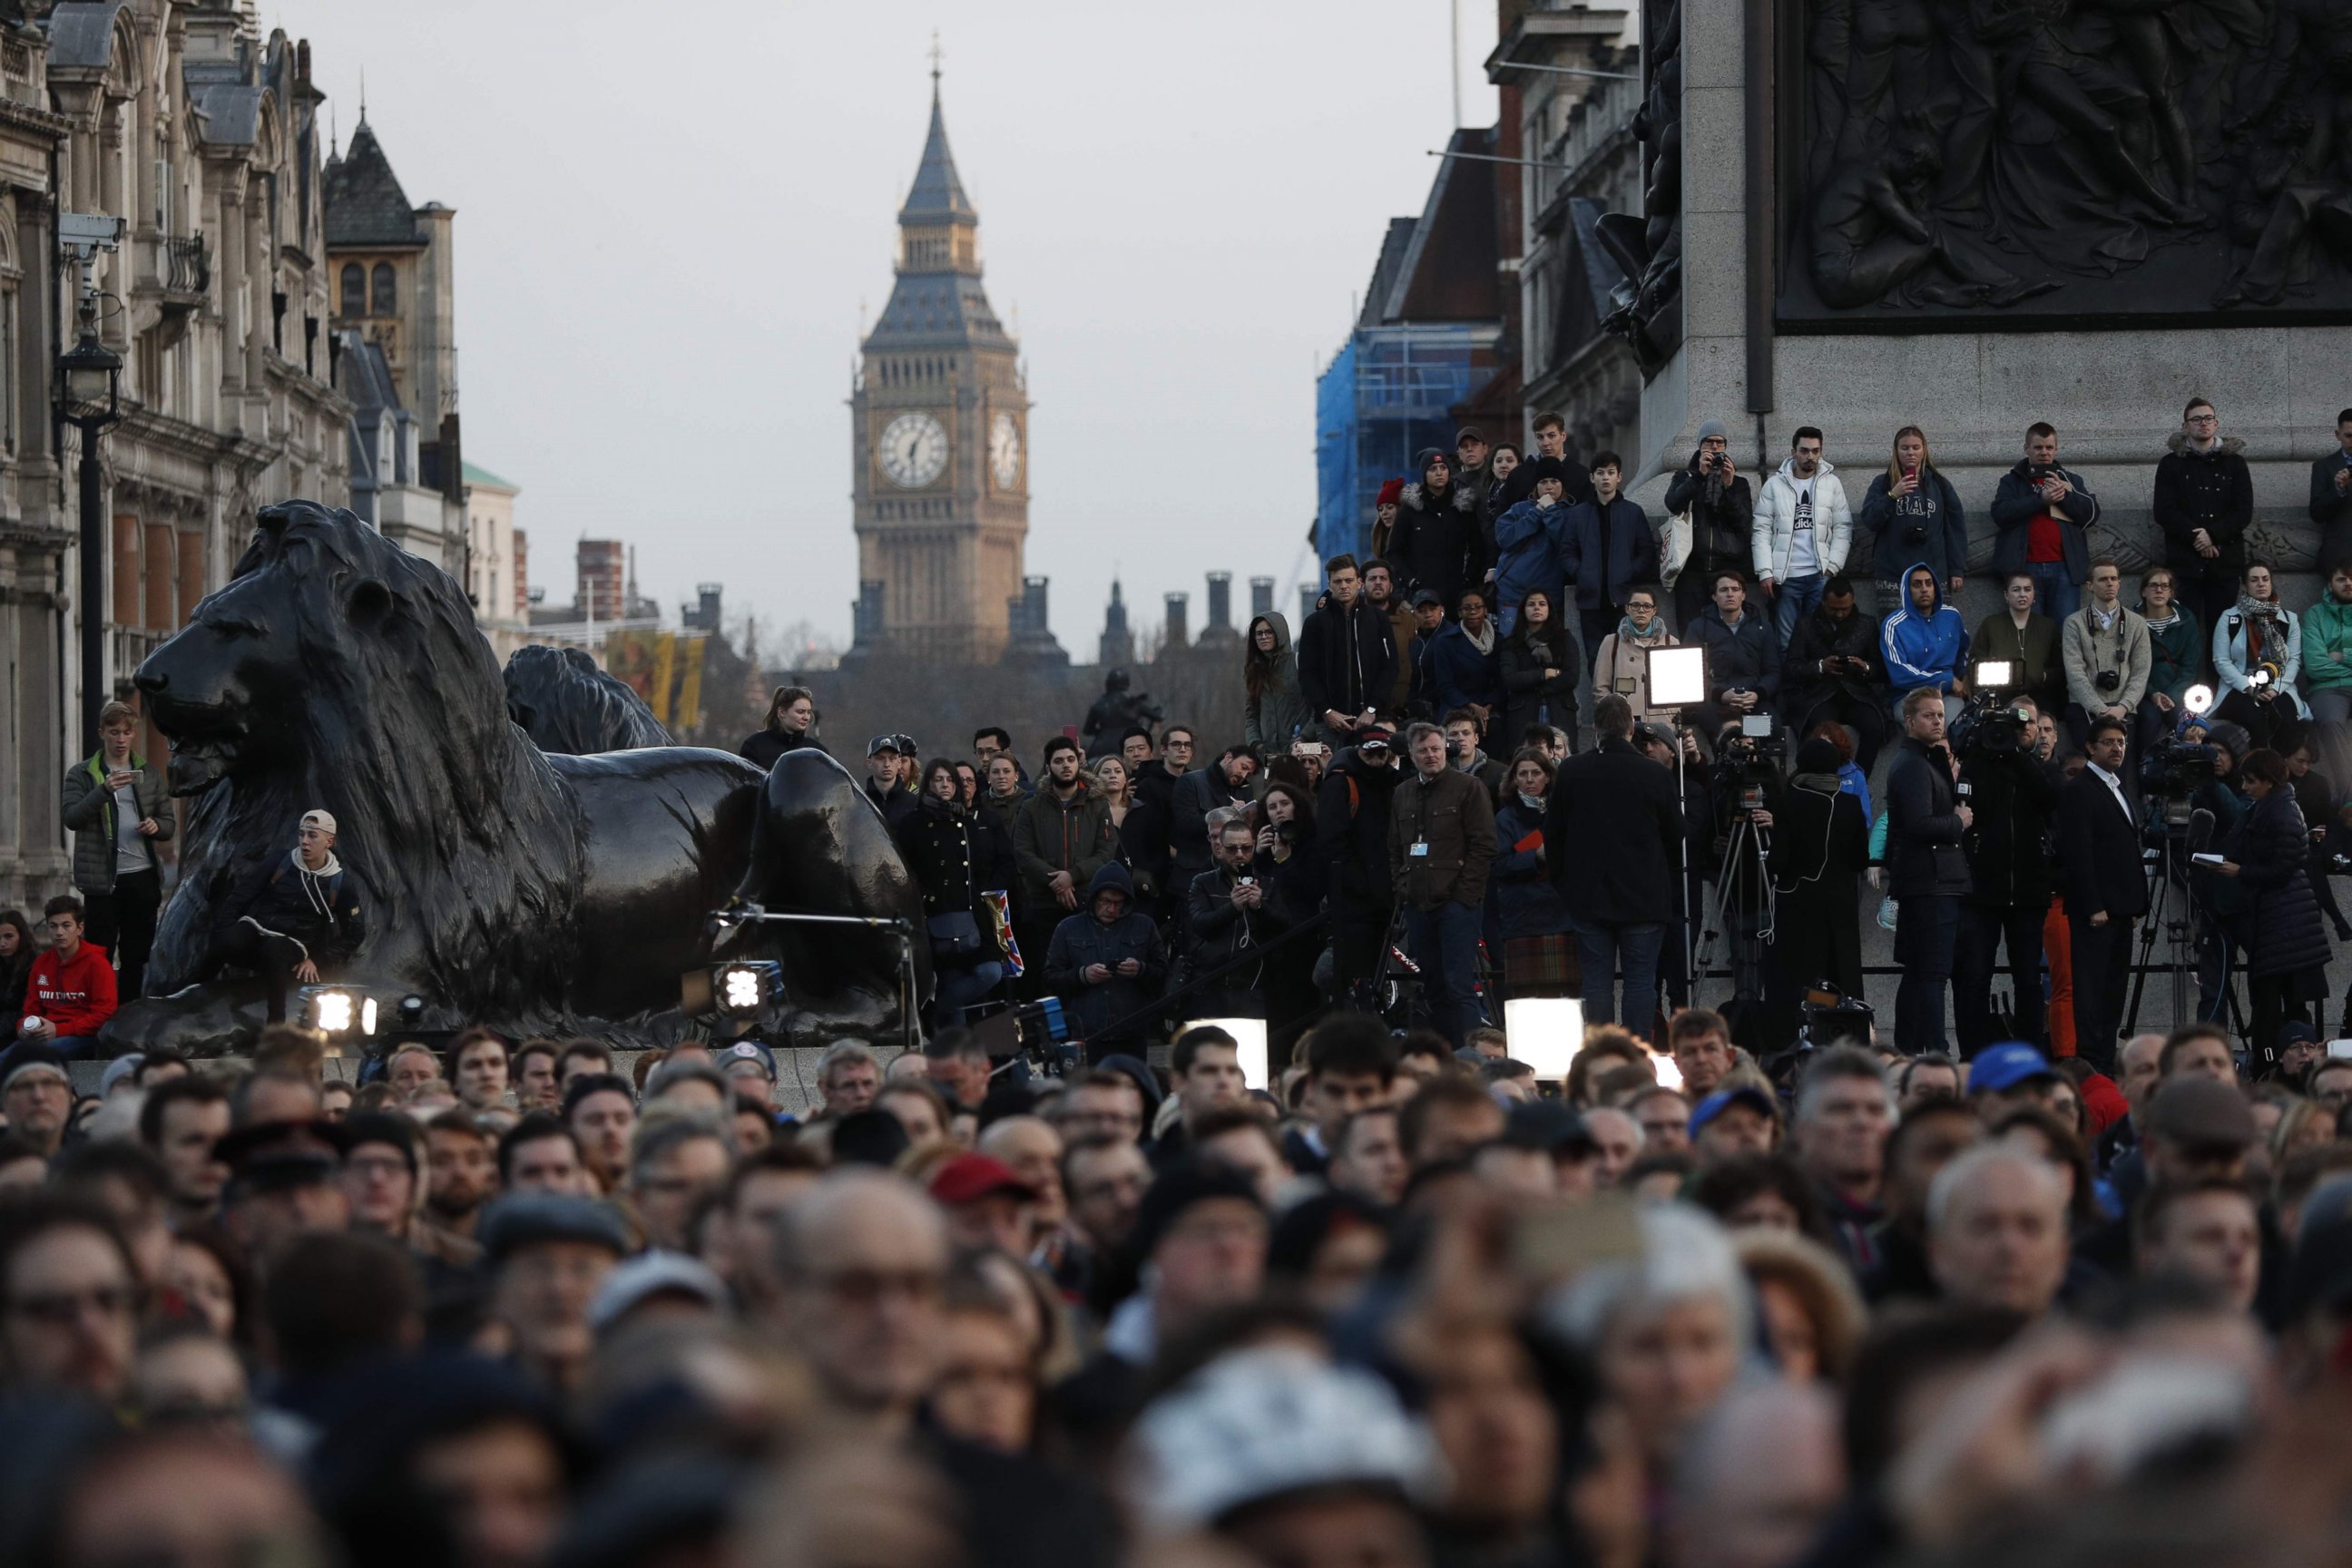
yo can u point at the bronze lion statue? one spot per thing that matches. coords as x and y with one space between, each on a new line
564 703
534 893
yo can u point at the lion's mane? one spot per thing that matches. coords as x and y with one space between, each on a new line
565 704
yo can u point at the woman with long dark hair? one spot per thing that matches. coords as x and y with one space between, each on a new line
938 839
791 725
16 952
1542 667
1537 940
1293 874
1272 702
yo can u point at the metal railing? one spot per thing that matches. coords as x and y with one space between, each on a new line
187 266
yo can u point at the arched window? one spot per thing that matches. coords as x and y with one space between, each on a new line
354 290
387 294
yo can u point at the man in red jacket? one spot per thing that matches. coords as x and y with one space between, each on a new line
70 994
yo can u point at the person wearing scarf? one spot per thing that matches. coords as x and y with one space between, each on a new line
2257 654
1465 662
1622 664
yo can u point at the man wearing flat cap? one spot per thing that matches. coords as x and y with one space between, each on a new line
288 919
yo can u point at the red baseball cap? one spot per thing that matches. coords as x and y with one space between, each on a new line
968 1178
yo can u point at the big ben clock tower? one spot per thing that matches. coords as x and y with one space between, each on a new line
940 438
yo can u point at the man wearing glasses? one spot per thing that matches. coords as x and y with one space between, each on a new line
69 1304
2204 503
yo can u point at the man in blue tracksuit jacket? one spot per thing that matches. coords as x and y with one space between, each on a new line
1924 642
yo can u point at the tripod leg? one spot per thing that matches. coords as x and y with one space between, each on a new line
2158 889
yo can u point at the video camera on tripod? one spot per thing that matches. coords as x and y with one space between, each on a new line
2184 767
1747 765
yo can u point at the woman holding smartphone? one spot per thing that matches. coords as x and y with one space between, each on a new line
1915 514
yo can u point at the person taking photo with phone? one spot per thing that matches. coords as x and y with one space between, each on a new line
119 808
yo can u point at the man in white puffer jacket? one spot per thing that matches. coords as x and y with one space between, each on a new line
1801 533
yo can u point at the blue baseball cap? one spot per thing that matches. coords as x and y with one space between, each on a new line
2005 1065
746 1053
1723 1099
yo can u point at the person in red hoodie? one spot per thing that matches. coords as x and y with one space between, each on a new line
71 992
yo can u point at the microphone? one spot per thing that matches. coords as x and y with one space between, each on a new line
2200 830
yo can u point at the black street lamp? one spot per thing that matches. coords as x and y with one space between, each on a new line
89 398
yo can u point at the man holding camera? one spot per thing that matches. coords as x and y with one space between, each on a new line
1714 512
1926 868
2010 882
2105 887
1440 842
1833 671
2043 516
1230 914
2105 648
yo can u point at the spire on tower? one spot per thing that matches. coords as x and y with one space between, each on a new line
938 193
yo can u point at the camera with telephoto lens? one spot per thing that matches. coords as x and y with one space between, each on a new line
2266 676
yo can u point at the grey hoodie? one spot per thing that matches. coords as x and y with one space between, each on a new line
1279 711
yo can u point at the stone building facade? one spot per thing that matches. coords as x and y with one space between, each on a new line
394 283
186 120
1571 75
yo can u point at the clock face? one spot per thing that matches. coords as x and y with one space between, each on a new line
914 451
1005 451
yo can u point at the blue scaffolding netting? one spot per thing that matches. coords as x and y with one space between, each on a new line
1385 396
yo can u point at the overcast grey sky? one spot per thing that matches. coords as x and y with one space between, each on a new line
668 219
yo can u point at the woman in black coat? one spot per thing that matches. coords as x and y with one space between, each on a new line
791 725
1294 875
1821 846
993 868
2286 944
1543 669
937 842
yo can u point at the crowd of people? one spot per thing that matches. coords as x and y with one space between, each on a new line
504 1304
1778 1282
1457 786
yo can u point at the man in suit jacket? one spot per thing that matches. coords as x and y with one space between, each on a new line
2105 888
